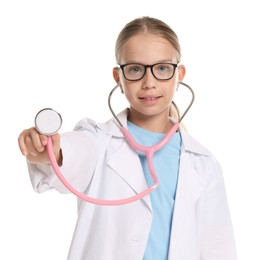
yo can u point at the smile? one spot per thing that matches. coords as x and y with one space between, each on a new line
150 98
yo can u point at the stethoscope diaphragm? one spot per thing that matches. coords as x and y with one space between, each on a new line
48 121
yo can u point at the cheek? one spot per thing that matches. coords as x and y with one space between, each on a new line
121 77
172 89
128 88
174 86
127 93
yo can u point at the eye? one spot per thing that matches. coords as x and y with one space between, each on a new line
162 68
134 68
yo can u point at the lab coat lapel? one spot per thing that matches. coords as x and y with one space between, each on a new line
190 186
130 170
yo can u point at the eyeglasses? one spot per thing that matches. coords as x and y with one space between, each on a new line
136 71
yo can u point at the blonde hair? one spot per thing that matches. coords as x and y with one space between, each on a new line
147 25
150 25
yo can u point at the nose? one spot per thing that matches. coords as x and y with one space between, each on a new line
148 79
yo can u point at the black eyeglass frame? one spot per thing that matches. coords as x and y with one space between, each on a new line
175 65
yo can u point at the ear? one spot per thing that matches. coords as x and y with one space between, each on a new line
181 72
116 78
116 75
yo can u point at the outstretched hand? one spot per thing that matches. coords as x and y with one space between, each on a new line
33 145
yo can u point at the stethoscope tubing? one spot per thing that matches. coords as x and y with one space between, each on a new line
83 196
147 150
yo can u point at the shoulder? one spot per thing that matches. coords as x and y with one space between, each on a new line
86 124
110 127
191 144
204 162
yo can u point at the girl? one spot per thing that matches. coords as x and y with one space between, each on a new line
187 216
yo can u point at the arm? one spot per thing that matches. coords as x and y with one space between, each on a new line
78 150
217 239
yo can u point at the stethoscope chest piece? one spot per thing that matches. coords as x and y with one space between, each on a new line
48 121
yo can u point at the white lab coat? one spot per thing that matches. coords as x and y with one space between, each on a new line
97 160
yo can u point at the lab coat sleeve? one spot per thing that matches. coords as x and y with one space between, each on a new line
80 151
217 240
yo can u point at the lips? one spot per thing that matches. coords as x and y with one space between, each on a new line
149 97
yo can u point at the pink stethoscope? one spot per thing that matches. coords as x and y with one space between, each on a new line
48 122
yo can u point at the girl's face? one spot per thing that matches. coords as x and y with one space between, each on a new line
149 97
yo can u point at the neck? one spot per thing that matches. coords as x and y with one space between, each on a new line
155 123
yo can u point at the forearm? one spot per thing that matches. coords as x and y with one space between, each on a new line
79 155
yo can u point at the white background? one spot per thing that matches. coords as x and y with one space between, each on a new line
60 54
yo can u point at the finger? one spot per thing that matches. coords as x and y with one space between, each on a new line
21 142
34 142
56 147
55 138
44 140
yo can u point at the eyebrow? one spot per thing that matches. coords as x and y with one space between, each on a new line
160 61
